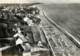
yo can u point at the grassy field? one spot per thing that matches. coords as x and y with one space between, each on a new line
65 15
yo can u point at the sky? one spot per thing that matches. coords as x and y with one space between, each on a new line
43 1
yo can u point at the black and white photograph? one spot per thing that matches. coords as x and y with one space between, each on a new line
39 27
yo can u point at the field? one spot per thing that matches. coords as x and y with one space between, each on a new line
65 15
